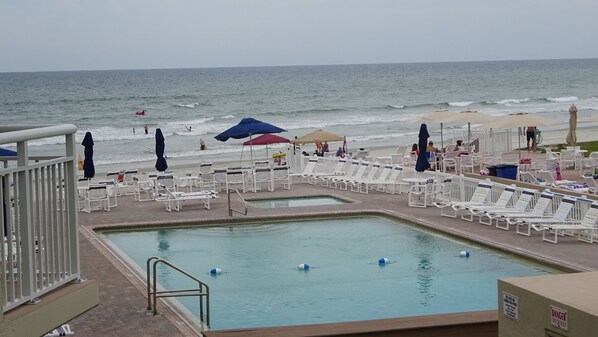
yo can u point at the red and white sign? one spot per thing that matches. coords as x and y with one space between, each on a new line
559 318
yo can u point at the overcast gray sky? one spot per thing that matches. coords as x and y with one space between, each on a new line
140 34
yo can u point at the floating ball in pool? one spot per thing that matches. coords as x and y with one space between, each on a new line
382 261
215 271
303 266
464 254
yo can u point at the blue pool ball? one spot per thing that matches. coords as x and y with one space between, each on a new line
303 266
464 254
383 261
215 271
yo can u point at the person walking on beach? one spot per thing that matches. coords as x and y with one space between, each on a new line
145 128
530 134
571 138
202 145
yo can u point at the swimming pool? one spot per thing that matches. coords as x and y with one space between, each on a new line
260 284
296 202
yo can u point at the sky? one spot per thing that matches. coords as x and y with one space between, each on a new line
50 35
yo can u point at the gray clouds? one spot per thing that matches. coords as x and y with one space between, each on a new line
130 34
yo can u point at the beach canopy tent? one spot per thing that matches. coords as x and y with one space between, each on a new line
318 136
89 170
161 164
436 116
248 127
518 120
266 139
468 116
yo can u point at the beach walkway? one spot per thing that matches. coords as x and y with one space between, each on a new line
122 308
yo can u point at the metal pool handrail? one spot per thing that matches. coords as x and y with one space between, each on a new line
202 291
230 209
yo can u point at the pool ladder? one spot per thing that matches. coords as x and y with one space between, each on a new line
230 208
202 291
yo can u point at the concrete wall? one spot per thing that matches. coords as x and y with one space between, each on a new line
552 306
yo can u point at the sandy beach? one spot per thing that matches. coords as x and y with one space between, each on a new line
551 136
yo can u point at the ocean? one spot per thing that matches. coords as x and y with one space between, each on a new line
369 104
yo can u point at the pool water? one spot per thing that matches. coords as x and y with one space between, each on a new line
296 202
260 284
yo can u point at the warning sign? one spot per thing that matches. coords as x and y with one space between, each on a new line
559 318
510 306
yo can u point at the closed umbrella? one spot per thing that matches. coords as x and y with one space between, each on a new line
571 138
422 163
89 170
436 116
248 127
161 164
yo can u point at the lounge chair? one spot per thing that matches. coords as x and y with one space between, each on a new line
366 184
525 198
333 179
343 182
173 200
478 198
586 228
592 186
560 215
63 330
307 170
503 200
544 201
374 171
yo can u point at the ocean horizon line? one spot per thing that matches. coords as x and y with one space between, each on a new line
303 65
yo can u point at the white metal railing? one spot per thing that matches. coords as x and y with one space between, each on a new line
39 216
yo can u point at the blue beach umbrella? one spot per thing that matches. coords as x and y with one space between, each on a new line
89 170
248 127
161 164
422 163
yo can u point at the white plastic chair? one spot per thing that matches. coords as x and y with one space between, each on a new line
262 175
281 174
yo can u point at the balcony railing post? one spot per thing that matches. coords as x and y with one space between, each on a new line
71 204
24 231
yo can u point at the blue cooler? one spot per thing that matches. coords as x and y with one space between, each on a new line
507 171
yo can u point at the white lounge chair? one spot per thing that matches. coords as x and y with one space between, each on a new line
479 197
560 215
500 216
63 330
308 170
173 200
525 198
503 200
425 194
366 184
587 228
374 171
592 186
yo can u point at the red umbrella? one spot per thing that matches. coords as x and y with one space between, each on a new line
266 139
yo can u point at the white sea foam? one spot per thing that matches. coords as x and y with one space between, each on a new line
510 101
562 99
189 105
396 106
460 104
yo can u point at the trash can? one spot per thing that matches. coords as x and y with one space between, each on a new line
492 170
507 171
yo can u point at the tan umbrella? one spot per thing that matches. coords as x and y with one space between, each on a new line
571 138
469 116
436 116
518 120
318 136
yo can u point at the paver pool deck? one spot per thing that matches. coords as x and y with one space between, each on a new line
122 309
